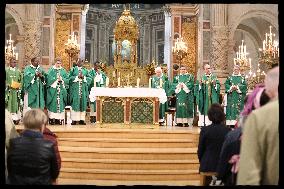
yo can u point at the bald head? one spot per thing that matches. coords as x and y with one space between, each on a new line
271 82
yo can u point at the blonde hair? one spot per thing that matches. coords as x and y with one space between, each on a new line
34 119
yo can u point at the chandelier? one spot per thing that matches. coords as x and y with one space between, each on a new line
180 49
72 47
254 78
10 50
269 54
242 61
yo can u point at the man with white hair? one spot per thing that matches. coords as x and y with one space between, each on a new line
259 157
235 89
158 81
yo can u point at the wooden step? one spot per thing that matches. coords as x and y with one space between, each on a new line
129 153
129 164
65 181
127 143
142 175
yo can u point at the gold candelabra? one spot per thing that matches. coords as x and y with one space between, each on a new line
10 50
269 53
254 78
180 49
72 48
242 60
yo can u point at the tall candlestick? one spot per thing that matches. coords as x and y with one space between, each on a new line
118 81
16 56
138 82
161 83
113 74
149 82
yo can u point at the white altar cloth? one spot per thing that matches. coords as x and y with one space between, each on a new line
128 92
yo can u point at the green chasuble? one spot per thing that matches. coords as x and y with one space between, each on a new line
207 93
184 96
99 80
235 98
56 99
161 82
78 89
13 95
34 86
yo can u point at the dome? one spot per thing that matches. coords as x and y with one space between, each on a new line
126 27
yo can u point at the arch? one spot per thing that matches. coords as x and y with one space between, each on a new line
17 18
264 14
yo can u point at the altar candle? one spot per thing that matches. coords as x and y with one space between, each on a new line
107 82
138 81
118 81
17 56
161 83
113 74
149 82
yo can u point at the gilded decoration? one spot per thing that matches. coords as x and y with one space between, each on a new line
189 33
62 27
32 39
142 111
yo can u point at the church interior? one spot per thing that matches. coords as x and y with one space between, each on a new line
127 144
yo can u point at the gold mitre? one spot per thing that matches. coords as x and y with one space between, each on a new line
15 85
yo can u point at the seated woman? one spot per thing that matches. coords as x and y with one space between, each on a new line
211 139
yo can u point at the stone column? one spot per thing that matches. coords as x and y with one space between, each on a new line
167 46
83 32
219 46
33 30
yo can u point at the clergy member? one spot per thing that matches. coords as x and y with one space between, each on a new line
160 80
56 84
236 89
78 93
96 78
183 85
207 93
34 83
13 91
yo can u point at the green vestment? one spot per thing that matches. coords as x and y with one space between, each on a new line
78 89
12 95
184 96
34 86
56 99
100 81
161 82
207 93
235 98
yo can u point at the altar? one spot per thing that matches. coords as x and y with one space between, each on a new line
128 105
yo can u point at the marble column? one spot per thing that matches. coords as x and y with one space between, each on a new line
33 30
83 32
167 46
219 46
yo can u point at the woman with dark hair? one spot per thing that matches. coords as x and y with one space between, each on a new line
211 139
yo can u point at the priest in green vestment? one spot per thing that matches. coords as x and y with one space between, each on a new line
13 91
78 93
235 89
161 81
96 78
183 86
207 93
57 82
34 83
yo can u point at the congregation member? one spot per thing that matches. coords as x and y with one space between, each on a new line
96 78
211 139
183 86
235 89
161 81
57 82
13 91
207 92
34 84
78 92
259 156
31 159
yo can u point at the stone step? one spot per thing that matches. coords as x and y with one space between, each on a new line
129 164
65 181
127 143
142 175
